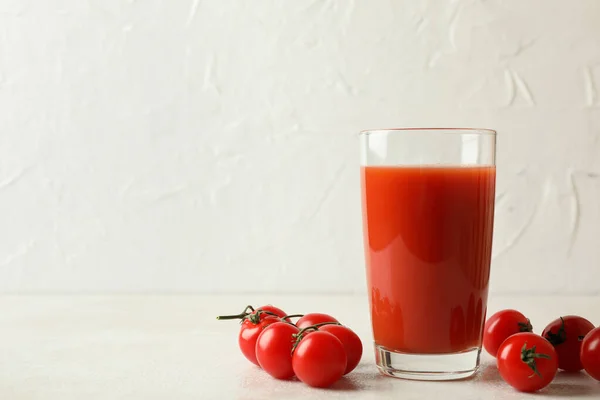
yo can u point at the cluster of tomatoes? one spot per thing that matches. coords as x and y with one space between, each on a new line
317 349
529 362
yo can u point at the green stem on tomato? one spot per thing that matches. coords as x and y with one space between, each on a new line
241 315
300 335
315 327
293 316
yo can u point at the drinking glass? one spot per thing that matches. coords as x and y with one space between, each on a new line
428 216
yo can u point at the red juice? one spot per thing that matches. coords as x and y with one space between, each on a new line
428 242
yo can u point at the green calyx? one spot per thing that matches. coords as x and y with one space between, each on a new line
525 326
255 316
560 336
530 356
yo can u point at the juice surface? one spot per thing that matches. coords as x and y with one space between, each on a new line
428 241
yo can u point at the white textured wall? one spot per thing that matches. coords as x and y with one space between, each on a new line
211 146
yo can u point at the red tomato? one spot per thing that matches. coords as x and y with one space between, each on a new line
274 349
253 323
501 326
590 353
249 333
350 341
319 359
565 334
313 319
527 362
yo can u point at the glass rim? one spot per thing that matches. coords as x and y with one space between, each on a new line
450 131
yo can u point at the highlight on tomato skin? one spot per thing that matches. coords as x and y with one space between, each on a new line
501 326
566 335
590 353
527 362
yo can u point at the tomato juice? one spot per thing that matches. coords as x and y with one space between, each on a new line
428 241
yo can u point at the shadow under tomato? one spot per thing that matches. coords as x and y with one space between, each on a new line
355 380
558 388
570 374
570 390
489 373
345 385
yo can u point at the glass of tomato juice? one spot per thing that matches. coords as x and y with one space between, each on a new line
428 217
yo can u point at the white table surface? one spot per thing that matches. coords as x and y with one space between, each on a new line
171 347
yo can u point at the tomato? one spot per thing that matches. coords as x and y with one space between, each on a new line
313 319
253 323
319 359
249 333
566 334
527 362
350 341
590 353
274 349
501 326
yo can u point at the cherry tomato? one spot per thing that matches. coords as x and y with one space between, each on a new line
350 341
590 353
253 322
313 319
501 326
249 333
527 362
566 334
274 349
319 359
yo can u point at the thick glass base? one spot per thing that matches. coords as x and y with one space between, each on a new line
427 367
